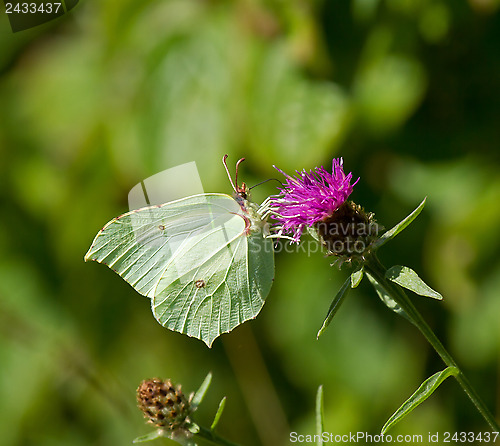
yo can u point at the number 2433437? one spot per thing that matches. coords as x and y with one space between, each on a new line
32 8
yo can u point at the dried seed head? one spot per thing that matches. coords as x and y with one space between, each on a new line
164 405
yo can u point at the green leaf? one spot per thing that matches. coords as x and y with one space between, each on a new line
387 299
193 428
391 233
200 393
425 390
222 404
313 233
319 415
334 307
149 437
356 277
407 278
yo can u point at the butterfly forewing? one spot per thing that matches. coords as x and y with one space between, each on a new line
140 244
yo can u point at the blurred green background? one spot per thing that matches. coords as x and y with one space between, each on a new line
407 91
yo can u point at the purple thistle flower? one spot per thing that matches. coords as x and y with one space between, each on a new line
309 197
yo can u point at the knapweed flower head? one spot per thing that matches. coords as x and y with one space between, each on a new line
165 405
309 197
318 199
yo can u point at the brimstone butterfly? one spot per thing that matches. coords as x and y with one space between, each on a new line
205 261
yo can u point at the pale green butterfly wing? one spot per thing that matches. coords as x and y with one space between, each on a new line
138 244
222 288
203 260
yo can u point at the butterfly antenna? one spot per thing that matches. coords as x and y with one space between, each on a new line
265 181
236 175
228 174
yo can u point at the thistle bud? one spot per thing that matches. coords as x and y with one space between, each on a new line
164 405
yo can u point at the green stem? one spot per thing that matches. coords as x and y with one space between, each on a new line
211 436
377 270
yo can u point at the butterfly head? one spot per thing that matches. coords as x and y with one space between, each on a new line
251 213
243 191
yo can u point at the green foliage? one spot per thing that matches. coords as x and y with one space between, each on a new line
320 423
335 305
356 277
401 275
149 437
218 414
200 393
425 390
386 298
391 233
353 280
407 278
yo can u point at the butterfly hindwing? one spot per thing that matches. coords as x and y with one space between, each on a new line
225 288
